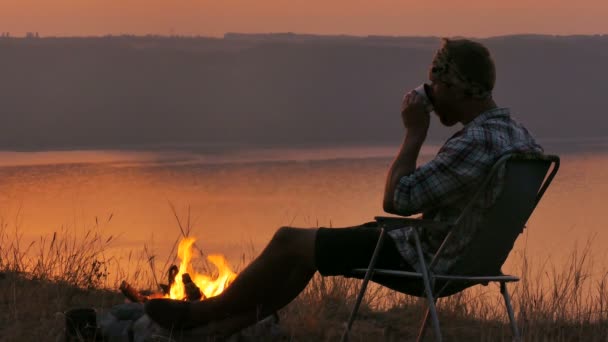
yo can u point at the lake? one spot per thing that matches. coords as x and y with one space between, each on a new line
238 197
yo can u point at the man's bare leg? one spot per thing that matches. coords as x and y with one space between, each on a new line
270 282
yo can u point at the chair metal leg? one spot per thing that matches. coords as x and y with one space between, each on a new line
428 289
505 294
425 321
424 325
368 275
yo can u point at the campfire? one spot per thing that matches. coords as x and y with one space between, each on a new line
127 321
184 282
190 279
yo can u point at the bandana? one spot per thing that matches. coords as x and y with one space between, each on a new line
446 70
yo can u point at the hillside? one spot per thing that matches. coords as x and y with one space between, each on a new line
275 89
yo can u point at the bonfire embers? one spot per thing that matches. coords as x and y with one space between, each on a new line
132 294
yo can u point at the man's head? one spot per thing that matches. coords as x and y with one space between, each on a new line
462 79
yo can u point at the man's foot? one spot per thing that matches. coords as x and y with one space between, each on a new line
173 314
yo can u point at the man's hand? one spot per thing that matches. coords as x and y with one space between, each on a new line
415 118
416 121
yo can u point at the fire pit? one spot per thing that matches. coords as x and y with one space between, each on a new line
128 322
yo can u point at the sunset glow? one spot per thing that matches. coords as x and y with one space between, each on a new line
383 17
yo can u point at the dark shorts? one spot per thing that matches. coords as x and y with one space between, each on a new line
339 250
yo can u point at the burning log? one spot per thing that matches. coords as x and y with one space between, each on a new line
171 274
166 289
131 294
193 292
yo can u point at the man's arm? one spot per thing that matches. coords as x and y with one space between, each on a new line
416 122
403 165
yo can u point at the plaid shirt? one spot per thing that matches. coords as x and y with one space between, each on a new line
441 188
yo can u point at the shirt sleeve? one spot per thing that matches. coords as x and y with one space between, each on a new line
457 169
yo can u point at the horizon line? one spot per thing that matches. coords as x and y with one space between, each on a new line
288 34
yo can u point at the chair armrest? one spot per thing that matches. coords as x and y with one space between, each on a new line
390 222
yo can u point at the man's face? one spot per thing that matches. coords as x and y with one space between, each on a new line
446 99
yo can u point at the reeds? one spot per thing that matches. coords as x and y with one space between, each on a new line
41 279
67 255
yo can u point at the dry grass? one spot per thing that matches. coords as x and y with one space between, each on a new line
32 310
41 279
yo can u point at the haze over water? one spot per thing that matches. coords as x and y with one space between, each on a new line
238 199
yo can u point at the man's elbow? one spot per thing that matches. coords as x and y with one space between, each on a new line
390 206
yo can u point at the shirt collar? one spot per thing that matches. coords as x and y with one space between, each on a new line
489 114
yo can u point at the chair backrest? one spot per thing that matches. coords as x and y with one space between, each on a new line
526 178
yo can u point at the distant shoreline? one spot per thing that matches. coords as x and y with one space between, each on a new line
188 154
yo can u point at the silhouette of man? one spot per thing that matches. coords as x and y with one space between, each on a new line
462 77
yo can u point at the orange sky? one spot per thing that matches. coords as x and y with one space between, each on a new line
385 17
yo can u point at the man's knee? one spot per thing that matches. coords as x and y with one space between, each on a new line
294 241
285 236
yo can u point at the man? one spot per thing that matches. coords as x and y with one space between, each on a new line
462 78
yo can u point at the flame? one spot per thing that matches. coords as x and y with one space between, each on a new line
210 287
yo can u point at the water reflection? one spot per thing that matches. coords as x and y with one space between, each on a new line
237 203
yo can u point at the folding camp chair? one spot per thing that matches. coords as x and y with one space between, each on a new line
526 179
